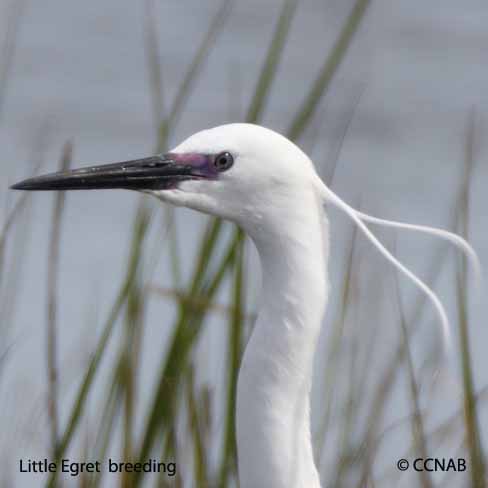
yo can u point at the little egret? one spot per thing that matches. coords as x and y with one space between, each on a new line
265 184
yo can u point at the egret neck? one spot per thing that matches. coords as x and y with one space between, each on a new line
273 397
260 180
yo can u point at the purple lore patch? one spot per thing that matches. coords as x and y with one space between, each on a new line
202 164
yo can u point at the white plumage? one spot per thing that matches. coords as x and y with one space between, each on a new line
275 195
269 187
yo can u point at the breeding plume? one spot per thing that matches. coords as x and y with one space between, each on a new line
268 186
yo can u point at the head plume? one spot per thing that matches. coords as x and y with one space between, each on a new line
360 217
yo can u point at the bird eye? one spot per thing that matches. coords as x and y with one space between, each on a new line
223 161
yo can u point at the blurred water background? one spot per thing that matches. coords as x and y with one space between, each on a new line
395 117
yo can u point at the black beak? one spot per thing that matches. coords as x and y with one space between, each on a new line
153 173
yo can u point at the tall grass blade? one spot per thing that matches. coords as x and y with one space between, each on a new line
220 309
186 332
52 300
200 460
7 54
269 69
154 63
129 364
218 22
472 426
111 410
17 219
418 429
168 123
37 155
333 162
234 351
334 349
140 231
332 63
391 371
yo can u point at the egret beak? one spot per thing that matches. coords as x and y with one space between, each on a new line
153 173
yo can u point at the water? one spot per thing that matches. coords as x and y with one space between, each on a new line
80 68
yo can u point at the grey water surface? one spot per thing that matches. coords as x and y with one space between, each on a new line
79 72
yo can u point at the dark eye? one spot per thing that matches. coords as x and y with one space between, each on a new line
223 161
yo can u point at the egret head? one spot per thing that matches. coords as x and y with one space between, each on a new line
235 171
246 170
244 173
